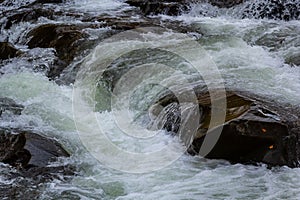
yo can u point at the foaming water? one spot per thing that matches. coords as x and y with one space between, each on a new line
248 56
283 10
252 55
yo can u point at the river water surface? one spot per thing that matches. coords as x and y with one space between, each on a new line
249 57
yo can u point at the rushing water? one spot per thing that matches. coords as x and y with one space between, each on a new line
249 57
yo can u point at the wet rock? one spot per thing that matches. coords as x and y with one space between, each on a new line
42 149
30 14
255 129
10 144
273 9
30 183
49 1
7 51
7 104
225 3
26 156
26 149
64 38
176 7
121 23
155 7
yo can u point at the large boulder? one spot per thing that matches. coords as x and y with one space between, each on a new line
9 105
67 40
25 149
153 7
255 130
7 51
64 38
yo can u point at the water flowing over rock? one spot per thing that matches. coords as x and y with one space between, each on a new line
10 105
29 154
271 9
255 130
65 39
61 37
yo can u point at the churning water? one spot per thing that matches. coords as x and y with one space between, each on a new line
253 55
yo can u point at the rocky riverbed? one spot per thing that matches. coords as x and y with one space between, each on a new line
44 43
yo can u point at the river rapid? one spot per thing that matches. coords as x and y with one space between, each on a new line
255 55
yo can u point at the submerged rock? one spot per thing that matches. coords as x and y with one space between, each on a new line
255 130
7 51
7 104
64 38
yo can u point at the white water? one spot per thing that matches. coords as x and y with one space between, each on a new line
244 65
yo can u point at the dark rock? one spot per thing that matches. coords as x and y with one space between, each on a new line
255 130
59 36
271 9
43 150
10 144
10 105
155 7
7 51
225 3
49 1
65 39
30 183
28 155
27 149
30 14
